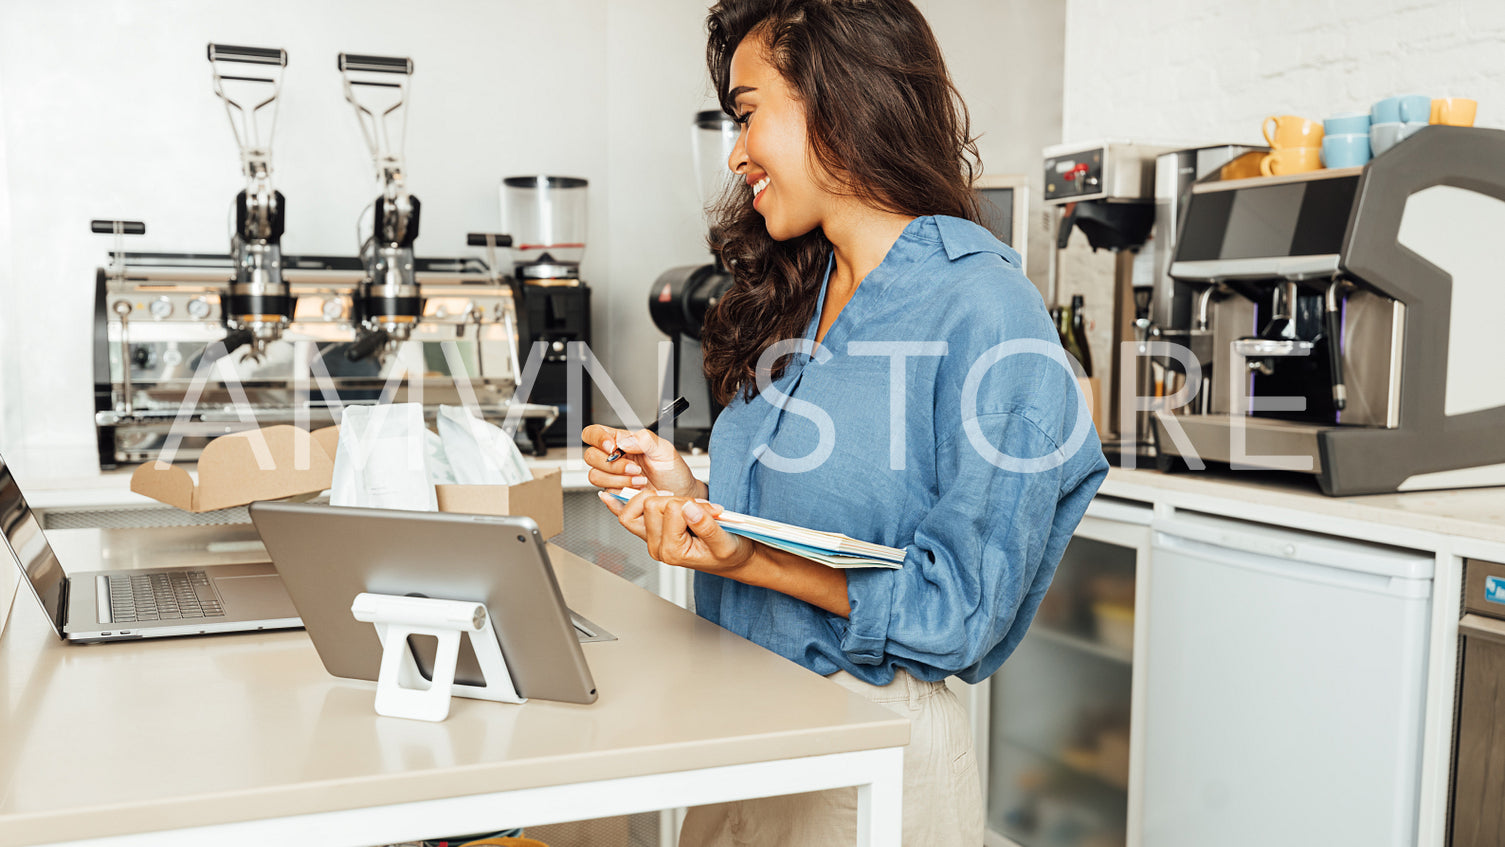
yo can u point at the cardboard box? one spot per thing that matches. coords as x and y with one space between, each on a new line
230 475
540 498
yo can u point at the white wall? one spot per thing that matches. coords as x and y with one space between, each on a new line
1007 59
106 111
1212 70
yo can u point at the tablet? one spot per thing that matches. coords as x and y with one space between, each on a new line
326 555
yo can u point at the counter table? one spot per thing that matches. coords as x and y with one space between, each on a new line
244 739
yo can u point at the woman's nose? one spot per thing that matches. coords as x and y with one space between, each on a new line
737 161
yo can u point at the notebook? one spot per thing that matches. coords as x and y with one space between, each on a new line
828 548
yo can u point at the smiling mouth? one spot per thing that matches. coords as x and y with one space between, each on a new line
759 186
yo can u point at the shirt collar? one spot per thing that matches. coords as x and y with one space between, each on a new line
963 238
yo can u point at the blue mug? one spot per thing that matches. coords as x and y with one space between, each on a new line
1347 123
1386 111
1345 150
1416 108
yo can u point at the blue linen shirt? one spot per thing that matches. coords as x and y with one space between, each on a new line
938 415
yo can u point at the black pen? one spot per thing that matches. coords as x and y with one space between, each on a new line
669 413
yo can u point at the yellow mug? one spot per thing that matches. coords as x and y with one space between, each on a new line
1454 111
1291 160
1292 131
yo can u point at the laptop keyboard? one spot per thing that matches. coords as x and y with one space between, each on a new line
162 596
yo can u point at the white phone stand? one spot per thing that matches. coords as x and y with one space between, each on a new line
401 691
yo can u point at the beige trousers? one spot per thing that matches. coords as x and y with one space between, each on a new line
942 791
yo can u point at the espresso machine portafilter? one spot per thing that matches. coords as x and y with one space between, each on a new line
259 305
388 305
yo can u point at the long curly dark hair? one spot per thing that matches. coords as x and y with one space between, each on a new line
880 108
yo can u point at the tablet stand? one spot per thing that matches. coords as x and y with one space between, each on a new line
401 691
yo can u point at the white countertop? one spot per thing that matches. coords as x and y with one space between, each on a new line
1289 499
94 738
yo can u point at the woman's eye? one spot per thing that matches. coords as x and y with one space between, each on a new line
744 117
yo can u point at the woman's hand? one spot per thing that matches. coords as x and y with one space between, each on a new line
682 531
649 462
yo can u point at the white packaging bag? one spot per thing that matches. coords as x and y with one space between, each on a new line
479 452
381 460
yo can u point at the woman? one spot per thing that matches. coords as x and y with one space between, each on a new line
889 373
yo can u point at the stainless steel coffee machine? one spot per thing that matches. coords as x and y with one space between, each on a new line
161 370
190 346
1344 323
1108 190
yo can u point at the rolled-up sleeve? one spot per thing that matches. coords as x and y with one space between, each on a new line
980 560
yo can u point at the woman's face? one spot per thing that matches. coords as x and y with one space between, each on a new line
772 152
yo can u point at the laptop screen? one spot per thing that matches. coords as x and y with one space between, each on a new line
23 536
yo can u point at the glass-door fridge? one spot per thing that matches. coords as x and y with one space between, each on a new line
1062 715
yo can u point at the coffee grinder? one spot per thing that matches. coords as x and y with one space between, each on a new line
680 298
546 216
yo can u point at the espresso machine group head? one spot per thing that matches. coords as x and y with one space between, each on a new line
258 306
389 305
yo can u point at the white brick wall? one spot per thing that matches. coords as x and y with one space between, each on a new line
1213 69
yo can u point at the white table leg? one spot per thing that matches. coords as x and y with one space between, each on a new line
880 804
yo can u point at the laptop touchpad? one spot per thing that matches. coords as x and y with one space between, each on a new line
257 596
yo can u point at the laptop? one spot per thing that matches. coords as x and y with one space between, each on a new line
122 605
329 554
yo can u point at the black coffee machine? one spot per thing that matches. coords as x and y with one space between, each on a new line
680 298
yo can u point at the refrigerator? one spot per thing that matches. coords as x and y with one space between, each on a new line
1284 687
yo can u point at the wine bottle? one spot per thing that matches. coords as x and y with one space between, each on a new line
1079 334
1068 339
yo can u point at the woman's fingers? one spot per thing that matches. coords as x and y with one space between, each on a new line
601 479
597 459
676 540
698 517
645 443
631 514
616 506
601 437
653 523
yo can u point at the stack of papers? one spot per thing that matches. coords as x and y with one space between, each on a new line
829 548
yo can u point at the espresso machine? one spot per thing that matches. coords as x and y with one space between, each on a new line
546 216
680 298
1106 189
189 346
1343 323
1124 195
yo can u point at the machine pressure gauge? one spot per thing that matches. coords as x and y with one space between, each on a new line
198 308
161 308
